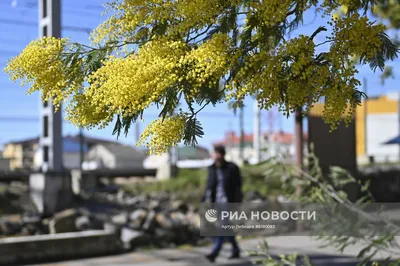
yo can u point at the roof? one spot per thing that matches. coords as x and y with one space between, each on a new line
124 151
87 139
73 146
231 138
192 153
25 141
90 140
277 137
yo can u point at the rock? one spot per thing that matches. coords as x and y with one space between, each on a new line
16 190
162 196
180 206
130 201
96 224
109 227
31 219
120 196
154 205
82 223
111 198
173 197
63 222
120 219
5 228
283 199
150 221
193 219
29 229
137 218
253 196
163 221
164 236
84 212
133 238
178 219
10 228
139 214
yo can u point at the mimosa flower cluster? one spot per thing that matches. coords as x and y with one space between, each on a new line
163 133
163 52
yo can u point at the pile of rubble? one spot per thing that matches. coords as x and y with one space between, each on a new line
157 219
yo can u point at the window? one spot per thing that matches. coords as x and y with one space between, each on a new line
44 11
45 126
44 31
46 153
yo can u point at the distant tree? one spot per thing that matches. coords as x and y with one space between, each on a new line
389 11
159 52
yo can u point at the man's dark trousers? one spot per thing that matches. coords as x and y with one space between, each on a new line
219 240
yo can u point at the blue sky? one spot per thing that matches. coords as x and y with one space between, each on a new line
19 113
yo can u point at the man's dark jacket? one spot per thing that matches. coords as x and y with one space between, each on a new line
232 182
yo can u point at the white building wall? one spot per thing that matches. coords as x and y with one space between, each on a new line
71 160
381 128
268 150
101 156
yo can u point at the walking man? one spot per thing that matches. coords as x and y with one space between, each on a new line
224 185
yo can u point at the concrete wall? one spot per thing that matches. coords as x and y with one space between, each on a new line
50 192
30 249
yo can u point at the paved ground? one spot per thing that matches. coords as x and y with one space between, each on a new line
195 256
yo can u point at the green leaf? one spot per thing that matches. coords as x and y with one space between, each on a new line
389 51
171 102
317 31
117 127
192 131
307 261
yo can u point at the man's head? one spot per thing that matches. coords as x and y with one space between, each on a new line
219 154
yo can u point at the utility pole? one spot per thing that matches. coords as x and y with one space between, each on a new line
398 114
257 132
137 131
299 145
365 118
299 155
51 130
241 126
51 189
81 147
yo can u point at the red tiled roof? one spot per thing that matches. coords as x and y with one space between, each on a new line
231 138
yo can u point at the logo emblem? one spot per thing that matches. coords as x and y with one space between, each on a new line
211 215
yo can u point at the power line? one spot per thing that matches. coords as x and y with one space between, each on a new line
35 24
77 29
18 119
64 9
19 22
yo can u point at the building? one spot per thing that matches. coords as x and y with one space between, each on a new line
4 163
25 154
188 157
273 144
113 156
376 120
21 153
